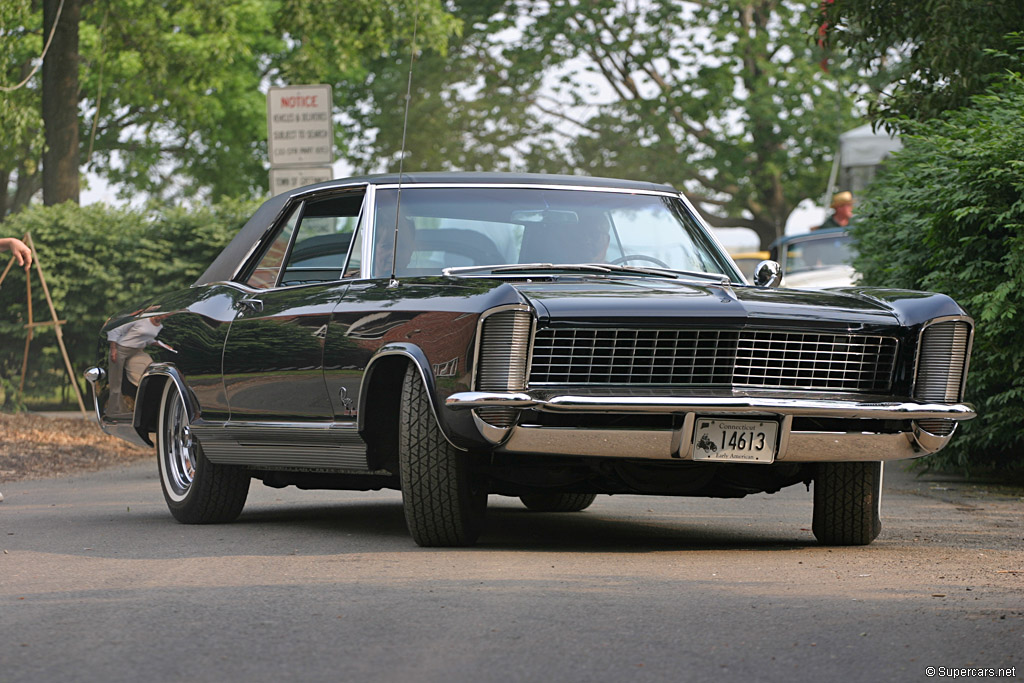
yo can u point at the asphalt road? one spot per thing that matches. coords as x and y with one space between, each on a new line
98 583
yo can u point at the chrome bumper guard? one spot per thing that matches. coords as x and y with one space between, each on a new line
794 446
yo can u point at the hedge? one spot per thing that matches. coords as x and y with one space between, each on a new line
947 214
99 260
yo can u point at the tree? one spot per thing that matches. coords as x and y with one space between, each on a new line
726 100
170 98
946 215
469 110
60 100
940 52
20 117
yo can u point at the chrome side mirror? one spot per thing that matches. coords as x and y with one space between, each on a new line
768 274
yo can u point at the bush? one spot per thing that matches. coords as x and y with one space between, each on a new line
97 261
947 214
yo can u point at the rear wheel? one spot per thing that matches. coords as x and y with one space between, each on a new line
197 491
442 506
847 502
558 502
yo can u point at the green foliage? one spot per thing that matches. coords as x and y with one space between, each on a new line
938 53
468 110
172 92
947 214
98 261
726 100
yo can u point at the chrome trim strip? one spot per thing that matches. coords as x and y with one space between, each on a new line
529 186
730 405
368 228
750 358
488 399
192 411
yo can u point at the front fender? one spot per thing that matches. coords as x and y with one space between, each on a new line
911 308
415 354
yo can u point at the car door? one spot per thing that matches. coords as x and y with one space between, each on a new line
273 356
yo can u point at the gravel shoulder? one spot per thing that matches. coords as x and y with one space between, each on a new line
34 446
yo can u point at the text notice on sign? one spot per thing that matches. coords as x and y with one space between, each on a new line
299 126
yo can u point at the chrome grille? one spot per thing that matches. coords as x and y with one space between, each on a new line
504 348
748 359
941 362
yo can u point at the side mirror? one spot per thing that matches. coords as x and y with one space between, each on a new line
768 274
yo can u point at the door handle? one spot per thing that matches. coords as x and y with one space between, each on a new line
253 304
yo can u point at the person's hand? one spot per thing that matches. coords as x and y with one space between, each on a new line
113 352
22 254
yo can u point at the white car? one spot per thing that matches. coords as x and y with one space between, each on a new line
816 260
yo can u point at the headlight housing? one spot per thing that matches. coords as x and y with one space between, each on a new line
502 358
942 357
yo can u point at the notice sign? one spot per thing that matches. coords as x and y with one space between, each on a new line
299 126
289 178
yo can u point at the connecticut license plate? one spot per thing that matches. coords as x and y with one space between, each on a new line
735 440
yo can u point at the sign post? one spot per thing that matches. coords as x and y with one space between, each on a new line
300 136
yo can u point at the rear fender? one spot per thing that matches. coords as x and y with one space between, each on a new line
147 403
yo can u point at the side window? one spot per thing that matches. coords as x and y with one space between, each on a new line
323 239
265 274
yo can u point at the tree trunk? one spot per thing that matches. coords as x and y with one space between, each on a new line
5 178
60 103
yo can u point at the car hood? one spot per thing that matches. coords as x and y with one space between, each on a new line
641 300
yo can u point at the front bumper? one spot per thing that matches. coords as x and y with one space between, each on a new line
855 443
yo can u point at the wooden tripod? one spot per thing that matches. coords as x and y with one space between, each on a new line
32 325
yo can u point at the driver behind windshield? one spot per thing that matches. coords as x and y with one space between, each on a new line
582 241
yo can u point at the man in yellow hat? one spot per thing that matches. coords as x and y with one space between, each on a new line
842 211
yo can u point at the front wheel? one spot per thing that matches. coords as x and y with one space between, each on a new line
847 502
557 502
443 506
197 491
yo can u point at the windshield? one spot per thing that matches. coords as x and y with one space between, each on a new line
464 227
813 253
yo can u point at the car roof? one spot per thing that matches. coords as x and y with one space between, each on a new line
224 266
482 178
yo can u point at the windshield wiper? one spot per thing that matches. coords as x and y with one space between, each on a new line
588 268
524 267
671 272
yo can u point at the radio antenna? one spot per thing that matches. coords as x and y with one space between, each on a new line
401 159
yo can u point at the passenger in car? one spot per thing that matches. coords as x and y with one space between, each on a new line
582 241
384 252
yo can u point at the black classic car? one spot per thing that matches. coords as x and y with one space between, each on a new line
550 338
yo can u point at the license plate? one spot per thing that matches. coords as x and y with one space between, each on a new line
735 440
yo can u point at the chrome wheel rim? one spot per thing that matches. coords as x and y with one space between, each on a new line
180 453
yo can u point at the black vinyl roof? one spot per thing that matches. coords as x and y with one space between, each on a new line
225 265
